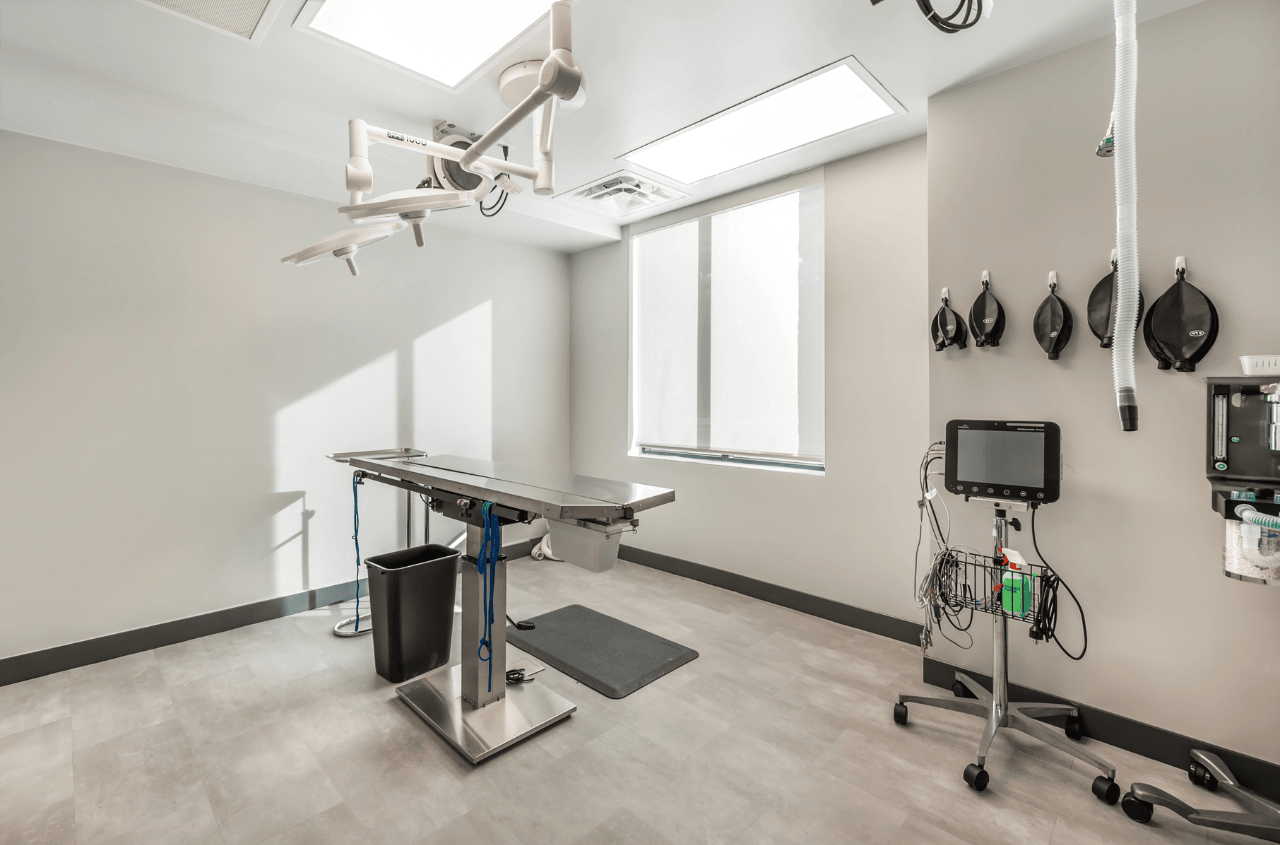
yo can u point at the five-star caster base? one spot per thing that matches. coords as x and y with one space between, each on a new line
994 707
973 699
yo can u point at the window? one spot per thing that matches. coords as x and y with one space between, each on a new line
727 336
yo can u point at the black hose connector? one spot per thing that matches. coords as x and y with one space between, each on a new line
1129 417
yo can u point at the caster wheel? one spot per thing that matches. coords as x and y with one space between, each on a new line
1108 791
1137 809
1201 776
900 713
976 777
1074 728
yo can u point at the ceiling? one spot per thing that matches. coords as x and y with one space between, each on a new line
129 78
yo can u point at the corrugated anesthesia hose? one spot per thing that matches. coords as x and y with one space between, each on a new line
1126 165
1252 516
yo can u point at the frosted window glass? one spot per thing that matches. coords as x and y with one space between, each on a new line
727 334
665 291
755 310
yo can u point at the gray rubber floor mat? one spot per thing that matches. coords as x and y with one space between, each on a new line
606 654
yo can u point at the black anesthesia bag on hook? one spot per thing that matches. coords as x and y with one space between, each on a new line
1102 307
947 327
986 317
1182 325
1053 321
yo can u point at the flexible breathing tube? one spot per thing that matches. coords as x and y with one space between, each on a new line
1126 167
1252 516
487 562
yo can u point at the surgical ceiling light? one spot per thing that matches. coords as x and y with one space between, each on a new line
532 89
829 101
440 40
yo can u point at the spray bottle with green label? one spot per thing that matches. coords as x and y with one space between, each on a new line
1017 594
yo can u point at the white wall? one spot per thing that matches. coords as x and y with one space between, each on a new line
168 389
829 536
1014 188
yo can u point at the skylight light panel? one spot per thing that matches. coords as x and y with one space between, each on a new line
444 41
827 102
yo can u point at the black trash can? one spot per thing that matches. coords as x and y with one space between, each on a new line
411 598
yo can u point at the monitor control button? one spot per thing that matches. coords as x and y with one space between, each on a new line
1023 493
1006 492
1039 495
991 490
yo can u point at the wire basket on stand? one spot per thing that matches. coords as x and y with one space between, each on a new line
968 580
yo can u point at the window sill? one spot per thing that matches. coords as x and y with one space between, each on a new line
728 460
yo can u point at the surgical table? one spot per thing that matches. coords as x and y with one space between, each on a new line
456 700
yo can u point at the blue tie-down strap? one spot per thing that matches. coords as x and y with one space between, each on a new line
486 563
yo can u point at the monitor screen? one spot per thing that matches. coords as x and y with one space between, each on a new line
1012 458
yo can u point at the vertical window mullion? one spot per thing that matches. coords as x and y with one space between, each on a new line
812 330
704 333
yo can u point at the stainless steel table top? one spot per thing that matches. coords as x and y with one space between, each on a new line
556 495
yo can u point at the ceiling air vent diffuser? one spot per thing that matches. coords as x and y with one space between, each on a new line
247 19
622 194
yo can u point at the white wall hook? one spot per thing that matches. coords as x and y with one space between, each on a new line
1053 280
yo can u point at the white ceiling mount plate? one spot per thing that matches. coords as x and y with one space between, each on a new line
830 101
244 20
383 31
622 194
344 245
519 80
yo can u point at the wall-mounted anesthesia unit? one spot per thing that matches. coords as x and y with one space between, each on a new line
1243 466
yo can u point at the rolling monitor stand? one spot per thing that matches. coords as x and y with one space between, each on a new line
995 706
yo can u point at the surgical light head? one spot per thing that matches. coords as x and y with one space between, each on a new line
345 244
463 176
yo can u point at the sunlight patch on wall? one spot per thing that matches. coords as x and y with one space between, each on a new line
453 386
355 412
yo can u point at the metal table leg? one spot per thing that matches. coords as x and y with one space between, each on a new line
458 702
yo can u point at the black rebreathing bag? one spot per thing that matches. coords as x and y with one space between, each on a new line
1181 326
1102 305
1053 323
947 329
986 317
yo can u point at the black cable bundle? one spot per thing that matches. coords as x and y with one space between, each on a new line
498 205
972 13
501 202
1046 624
944 592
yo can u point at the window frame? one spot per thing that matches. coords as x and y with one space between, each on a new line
808 464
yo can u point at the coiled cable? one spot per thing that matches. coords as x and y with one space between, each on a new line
339 629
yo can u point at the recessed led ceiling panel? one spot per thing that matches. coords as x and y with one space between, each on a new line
828 101
444 41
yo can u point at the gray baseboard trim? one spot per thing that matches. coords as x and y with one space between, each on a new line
1131 735
844 614
1146 740
24 667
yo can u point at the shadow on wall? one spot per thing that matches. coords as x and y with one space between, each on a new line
434 393
176 388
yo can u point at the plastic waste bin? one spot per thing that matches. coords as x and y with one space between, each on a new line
411 597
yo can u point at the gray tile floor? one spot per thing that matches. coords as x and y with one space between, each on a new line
781 732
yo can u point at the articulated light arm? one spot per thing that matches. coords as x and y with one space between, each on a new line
360 172
559 77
